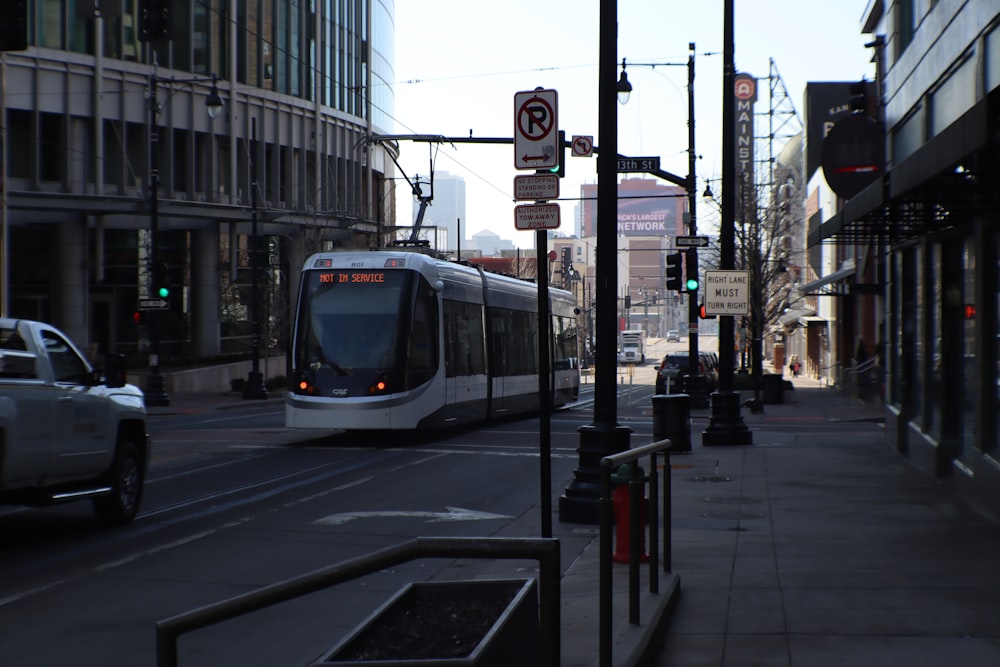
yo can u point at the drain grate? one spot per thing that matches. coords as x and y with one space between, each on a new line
733 516
732 500
710 478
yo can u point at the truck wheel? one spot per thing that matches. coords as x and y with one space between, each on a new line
122 504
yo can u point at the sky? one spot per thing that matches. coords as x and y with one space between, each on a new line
458 65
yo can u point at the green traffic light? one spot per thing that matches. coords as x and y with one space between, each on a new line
164 292
691 285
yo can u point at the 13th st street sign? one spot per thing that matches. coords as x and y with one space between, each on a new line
638 164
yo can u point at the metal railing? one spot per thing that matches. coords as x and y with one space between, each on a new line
544 550
609 464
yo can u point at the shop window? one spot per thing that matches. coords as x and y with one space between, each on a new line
970 369
935 344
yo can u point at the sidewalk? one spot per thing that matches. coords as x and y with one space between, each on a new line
820 545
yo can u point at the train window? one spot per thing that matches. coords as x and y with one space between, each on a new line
515 347
422 360
566 342
464 344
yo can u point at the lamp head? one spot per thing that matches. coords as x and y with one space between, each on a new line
213 103
624 87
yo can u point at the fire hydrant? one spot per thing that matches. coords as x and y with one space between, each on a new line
620 504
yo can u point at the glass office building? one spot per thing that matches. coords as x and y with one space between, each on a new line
304 84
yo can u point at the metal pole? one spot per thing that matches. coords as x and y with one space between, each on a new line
579 502
155 394
726 425
696 382
4 229
544 395
254 387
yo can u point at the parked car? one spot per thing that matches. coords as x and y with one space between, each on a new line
673 336
674 367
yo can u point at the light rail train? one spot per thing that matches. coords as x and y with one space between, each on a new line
390 339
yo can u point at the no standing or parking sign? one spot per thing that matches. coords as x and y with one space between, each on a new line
536 129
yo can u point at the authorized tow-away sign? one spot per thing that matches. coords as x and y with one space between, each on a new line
727 292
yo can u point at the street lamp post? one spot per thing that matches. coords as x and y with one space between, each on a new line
155 392
254 387
696 382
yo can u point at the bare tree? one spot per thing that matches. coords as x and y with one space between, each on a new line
769 229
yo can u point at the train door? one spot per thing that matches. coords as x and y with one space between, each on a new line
465 360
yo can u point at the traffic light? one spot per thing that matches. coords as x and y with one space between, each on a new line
13 25
137 317
560 168
702 314
691 283
858 96
674 272
162 285
154 20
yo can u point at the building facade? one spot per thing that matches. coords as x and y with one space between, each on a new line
100 178
926 237
650 216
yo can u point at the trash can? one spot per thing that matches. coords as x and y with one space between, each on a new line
672 419
772 387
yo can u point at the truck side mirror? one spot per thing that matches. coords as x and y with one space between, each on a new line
115 374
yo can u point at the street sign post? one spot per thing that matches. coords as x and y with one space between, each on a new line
536 216
691 241
536 129
727 292
536 187
638 164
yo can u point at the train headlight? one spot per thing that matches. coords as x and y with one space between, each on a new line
304 386
379 386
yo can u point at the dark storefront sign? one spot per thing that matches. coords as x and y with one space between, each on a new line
853 154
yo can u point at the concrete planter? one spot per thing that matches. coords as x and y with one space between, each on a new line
487 623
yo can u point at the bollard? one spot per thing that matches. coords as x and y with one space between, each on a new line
672 419
621 504
772 387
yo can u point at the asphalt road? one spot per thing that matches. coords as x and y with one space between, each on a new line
230 507
231 504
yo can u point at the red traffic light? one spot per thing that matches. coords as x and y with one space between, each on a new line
969 310
137 317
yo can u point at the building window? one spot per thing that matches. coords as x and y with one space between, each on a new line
934 343
970 369
905 24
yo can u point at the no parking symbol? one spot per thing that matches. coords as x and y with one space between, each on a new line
536 125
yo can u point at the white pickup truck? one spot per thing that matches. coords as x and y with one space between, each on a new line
68 431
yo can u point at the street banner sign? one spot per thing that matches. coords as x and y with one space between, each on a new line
638 164
536 187
536 129
727 292
536 216
691 241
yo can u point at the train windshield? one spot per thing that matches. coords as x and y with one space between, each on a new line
350 320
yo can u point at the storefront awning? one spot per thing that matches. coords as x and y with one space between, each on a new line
927 191
795 315
836 276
